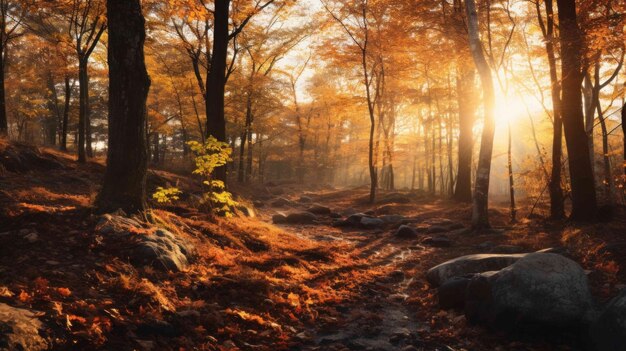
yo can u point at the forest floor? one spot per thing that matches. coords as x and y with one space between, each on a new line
256 285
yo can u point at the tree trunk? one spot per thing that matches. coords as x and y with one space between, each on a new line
467 115
216 79
607 183
480 208
66 113
624 135
83 108
557 210
584 205
511 181
125 178
4 124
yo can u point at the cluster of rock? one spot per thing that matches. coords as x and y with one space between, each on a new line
158 248
539 291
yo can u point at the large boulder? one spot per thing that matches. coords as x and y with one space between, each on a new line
608 332
539 290
281 202
469 264
19 330
405 232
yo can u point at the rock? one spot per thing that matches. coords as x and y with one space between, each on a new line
319 210
281 202
31 237
539 290
355 219
608 332
469 264
437 241
246 211
451 293
507 249
160 249
301 218
19 330
163 250
305 200
334 215
258 203
559 250
392 219
158 327
405 232
434 229
369 222
279 218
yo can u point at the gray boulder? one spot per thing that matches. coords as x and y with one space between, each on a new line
608 332
451 293
370 222
393 219
437 241
279 218
540 289
469 264
281 202
19 330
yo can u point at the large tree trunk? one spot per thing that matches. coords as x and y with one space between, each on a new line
83 101
480 213
216 79
467 115
125 178
624 135
584 205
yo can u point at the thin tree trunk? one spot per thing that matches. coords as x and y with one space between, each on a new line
480 208
125 177
584 205
4 124
511 181
66 113
83 109
606 159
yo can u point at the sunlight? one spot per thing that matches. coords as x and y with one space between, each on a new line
511 108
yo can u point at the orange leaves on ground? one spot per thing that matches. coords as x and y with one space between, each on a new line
24 296
65 292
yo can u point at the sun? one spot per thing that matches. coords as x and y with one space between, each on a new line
511 107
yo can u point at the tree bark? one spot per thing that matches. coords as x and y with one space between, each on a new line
480 208
66 113
557 210
125 178
4 123
216 79
467 115
83 102
624 135
584 205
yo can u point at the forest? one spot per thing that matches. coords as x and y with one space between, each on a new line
309 175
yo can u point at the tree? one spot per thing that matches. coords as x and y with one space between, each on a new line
584 205
11 16
480 208
127 160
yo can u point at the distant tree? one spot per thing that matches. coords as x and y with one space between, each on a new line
127 161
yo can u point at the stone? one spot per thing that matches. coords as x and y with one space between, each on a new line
31 237
608 331
19 329
405 232
469 264
301 218
437 241
258 203
281 202
279 218
160 248
451 294
319 210
370 222
246 211
392 219
538 290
